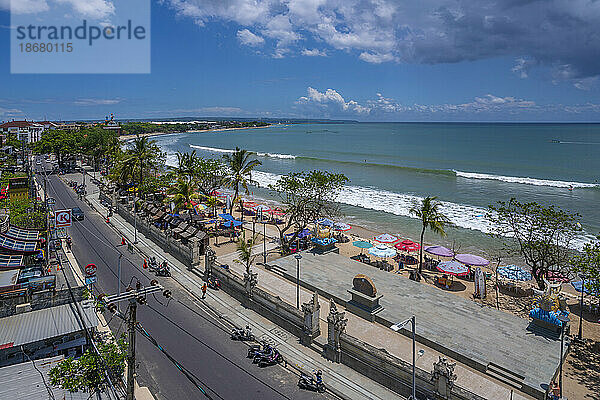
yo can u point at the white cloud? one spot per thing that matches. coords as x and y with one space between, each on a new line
97 9
314 53
96 102
25 6
586 83
249 39
8 112
377 58
425 32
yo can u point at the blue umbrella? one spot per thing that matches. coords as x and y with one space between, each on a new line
514 273
579 285
228 217
325 222
235 223
361 244
304 233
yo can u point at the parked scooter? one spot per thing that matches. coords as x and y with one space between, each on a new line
309 382
266 360
214 283
258 349
163 269
242 334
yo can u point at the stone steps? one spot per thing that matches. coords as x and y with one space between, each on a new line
505 376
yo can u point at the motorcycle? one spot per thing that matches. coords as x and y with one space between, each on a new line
242 334
214 283
163 269
309 382
269 359
258 349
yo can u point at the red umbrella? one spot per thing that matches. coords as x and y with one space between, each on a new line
277 211
555 276
407 245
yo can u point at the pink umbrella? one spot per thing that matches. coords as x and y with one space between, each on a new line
386 238
555 276
407 245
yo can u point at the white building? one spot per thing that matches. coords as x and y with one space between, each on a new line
27 131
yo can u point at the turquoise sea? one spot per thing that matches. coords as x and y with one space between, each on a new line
393 165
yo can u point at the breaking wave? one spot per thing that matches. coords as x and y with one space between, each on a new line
525 181
217 150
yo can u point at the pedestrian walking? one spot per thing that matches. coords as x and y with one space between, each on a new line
204 290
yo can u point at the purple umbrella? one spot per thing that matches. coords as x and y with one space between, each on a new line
439 251
471 259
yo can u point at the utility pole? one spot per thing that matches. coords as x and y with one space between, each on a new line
134 296
131 348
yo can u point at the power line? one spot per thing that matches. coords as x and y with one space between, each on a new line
217 352
50 393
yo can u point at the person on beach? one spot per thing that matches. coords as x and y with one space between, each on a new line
203 290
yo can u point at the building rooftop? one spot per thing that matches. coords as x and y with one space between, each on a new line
23 381
9 277
46 323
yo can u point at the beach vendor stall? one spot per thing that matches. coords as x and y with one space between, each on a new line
450 268
548 308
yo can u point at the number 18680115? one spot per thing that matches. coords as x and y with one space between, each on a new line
46 47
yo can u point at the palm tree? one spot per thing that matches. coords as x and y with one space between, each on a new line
431 217
184 194
142 155
212 202
240 166
186 165
244 248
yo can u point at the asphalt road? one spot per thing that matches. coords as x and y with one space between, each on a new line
205 350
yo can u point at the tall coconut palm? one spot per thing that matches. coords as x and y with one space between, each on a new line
240 167
142 155
186 165
245 252
184 194
212 202
431 217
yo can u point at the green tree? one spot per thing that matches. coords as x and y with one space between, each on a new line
209 175
184 194
428 211
142 156
23 214
212 202
186 165
87 373
240 167
587 263
245 251
541 235
307 196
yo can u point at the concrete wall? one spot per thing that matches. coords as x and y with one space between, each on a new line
39 300
267 305
187 255
390 371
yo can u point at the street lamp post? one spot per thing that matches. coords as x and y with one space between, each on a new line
564 319
396 328
264 243
580 331
298 258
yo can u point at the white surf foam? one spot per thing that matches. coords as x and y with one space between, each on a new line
461 215
525 181
217 150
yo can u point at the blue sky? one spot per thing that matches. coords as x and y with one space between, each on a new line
371 60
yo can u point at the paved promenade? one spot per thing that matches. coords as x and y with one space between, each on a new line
481 334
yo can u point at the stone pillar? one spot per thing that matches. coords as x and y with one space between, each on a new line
311 328
209 261
336 324
443 378
250 282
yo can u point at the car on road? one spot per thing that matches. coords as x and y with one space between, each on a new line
77 214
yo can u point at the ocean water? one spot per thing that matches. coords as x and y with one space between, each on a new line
391 166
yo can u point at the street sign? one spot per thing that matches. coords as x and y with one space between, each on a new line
90 279
62 218
90 270
51 201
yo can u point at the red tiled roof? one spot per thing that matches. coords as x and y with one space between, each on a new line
16 124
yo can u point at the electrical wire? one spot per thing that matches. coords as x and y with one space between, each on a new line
217 352
188 374
50 393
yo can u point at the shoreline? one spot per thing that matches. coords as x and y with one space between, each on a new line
152 134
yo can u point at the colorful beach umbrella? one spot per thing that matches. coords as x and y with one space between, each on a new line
555 276
325 222
382 250
579 285
386 238
407 245
453 268
439 251
262 208
341 227
514 273
362 244
471 259
303 233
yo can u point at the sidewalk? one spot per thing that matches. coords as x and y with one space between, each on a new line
340 379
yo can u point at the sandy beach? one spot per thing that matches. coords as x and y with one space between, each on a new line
129 137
